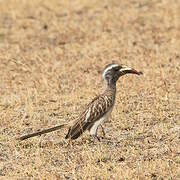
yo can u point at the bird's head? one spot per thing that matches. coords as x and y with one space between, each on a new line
112 72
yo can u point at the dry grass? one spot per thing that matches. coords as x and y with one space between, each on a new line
51 56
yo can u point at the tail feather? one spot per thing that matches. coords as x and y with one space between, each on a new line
41 132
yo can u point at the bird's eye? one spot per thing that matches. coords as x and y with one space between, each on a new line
116 69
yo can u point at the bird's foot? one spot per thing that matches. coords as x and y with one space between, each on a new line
103 131
95 137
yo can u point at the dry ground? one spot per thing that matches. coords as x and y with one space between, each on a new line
51 57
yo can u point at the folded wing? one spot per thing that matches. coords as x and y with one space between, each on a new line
94 111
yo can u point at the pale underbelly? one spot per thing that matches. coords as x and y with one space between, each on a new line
93 130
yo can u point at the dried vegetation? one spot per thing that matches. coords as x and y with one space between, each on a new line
51 57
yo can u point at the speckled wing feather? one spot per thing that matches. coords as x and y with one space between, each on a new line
94 111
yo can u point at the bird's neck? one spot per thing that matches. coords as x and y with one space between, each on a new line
110 89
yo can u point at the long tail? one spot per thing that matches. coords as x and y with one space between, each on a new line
55 128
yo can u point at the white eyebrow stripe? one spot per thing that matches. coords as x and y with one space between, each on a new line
108 68
125 69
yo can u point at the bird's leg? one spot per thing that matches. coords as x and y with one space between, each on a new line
95 136
103 131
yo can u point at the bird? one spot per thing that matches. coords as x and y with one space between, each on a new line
99 109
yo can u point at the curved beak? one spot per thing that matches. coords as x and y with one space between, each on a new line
127 70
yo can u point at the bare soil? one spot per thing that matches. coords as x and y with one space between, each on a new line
51 57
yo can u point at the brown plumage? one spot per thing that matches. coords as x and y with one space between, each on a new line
101 107
94 111
98 110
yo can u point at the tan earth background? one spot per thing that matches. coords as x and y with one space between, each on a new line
51 57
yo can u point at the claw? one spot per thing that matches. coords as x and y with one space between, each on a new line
96 137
